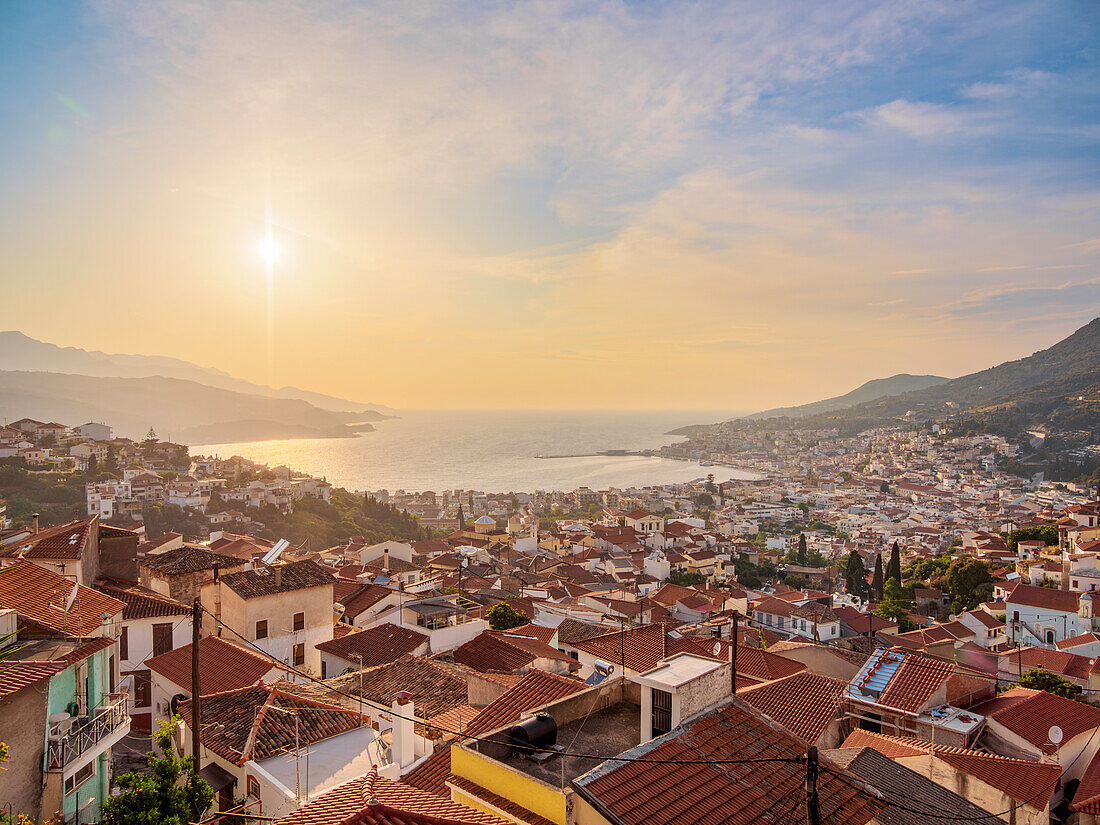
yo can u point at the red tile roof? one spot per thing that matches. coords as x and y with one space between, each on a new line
14 676
1067 664
142 603
434 687
222 666
493 650
375 645
495 800
1032 718
1087 798
680 792
64 542
763 666
249 728
39 596
284 578
1065 601
1031 783
805 703
366 597
374 800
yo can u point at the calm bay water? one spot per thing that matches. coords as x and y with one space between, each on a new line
492 450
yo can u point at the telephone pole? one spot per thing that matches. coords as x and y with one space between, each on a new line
196 711
733 651
813 809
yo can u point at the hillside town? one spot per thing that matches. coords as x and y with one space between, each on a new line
893 627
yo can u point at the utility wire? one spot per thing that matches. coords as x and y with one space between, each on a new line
600 757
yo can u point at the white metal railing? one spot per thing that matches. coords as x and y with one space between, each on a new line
63 748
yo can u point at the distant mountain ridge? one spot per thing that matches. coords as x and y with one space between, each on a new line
183 411
21 352
871 390
1057 387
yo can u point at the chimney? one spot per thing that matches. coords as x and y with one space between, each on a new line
34 523
403 751
386 558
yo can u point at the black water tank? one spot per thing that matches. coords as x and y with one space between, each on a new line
536 733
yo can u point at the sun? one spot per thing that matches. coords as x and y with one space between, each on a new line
268 250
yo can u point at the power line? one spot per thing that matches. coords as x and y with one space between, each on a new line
466 736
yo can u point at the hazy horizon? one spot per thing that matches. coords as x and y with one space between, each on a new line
598 206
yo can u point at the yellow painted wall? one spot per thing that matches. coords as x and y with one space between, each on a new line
533 795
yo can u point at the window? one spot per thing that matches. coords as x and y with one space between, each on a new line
299 654
1050 637
299 621
80 777
261 629
111 680
124 644
324 669
143 688
253 787
162 638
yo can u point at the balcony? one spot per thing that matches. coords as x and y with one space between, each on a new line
75 737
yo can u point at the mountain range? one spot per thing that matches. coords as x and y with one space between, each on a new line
180 400
1057 389
21 352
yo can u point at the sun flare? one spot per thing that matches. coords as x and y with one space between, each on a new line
268 250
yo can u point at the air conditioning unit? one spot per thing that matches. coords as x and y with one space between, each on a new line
8 627
162 707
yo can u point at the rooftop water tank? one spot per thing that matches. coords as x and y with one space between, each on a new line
537 733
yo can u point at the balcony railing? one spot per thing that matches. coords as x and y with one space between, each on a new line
64 746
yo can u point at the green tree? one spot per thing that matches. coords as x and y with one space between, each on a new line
503 616
1039 679
168 793
969 582
893 569
876 582
855 575
461 519
802 549
1048 535
892 590
93 466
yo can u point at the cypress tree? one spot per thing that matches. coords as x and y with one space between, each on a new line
893 569
802 549
876 582
855 574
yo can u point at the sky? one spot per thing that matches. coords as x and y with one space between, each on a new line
553 204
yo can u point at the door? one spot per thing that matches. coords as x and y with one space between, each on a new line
662 712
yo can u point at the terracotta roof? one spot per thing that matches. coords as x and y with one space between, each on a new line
141 602
911 678
675 792
1032 718
1065 601
640 648
396 804
536 689
248 729
222 666
1075 641
14 676
913 791
285 578
534 631
1087 798
66 541
1062 662
764 666
1031 783
493 650
805 703
571 631
366 597
375 645
189 559
433 687
495 800
39 596
431 775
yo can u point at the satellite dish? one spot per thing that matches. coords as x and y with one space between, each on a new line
717 648
1055 735
72 597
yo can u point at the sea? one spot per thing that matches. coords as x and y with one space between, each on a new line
494 451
